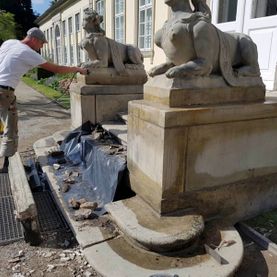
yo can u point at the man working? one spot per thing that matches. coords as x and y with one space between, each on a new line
17 58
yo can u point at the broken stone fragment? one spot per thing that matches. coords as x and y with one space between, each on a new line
89 205
69 180
75 174
74 203
56 166
65 187
82 201
83 214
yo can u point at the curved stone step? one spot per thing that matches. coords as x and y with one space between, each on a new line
157 233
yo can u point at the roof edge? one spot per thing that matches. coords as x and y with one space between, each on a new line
53 10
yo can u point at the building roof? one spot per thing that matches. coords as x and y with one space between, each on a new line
53 10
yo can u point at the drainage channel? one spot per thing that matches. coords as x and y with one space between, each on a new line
10 229
50 218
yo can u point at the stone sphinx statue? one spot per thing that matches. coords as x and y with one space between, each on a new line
110 62
194 47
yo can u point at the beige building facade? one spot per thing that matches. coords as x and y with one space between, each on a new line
136 21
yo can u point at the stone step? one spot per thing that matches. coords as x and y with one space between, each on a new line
118 129
123 116
156 233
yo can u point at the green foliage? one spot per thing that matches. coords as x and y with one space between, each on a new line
59 97
264 220
23 15
7 26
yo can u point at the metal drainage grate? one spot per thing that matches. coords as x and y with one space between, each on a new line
49 216
5 187
10 228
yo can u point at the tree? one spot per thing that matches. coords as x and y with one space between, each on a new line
7 26
23 14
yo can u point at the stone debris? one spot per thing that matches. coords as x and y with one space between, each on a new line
50 267
74 203
56 166
65 187
17 275
89 205
14 260
16 267
83 214
226 243
69 180
48 254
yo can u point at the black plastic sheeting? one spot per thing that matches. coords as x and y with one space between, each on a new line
102 169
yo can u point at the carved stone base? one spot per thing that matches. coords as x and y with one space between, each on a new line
109 76
99 103
199 157
211 90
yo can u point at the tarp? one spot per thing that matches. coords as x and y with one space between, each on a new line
101 162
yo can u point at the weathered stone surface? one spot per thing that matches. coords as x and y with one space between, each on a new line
174 153
109 76
168 233
212 90
98 103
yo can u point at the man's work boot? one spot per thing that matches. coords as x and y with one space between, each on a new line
5 165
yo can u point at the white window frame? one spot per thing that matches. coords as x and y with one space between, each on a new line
70 25
145 36
119 17
100 7
77 22
58 44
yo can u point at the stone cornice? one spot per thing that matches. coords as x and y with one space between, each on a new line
53 10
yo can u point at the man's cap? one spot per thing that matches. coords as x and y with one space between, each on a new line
36 33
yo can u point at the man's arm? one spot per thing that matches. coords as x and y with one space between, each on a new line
63 69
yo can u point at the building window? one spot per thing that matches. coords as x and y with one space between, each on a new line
145 24
100 8
58 44
64 28
119 21
227 11
71 54
65 55
78 52
77 22
70 25
262 8
51 55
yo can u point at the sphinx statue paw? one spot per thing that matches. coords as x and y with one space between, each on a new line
174 72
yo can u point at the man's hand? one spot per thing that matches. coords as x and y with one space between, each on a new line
83 71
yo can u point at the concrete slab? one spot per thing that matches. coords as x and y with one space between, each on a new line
118 258
21 191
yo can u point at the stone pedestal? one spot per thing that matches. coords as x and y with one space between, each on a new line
99 103
203 157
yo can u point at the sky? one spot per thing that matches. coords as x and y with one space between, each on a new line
40 6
